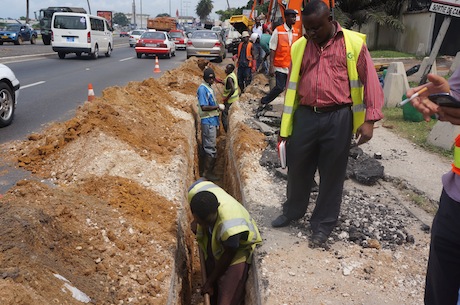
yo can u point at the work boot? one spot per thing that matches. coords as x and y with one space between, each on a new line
209 164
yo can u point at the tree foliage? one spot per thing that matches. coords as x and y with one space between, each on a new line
163 15
351 13
204 8
120 19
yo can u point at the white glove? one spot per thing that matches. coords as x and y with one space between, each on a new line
221 107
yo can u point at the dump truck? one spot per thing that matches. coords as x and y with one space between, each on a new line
162 23
46 14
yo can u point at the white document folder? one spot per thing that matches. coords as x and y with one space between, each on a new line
282 153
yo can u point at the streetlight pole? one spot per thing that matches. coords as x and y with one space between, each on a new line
89 7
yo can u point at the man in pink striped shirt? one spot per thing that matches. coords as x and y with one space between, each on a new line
322 102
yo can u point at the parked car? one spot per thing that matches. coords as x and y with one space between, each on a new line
134 37
17 33
179 39
155 43
206 43
9 92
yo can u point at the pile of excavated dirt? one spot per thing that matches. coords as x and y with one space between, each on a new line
106 223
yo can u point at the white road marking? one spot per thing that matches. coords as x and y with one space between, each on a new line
34 84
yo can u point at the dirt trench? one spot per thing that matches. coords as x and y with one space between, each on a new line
104 218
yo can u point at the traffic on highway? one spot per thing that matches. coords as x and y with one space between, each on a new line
53 88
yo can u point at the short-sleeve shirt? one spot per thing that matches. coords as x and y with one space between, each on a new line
206 98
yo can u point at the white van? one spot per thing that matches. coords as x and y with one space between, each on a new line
81 33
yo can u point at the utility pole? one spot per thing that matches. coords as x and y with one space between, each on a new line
134 13
89 7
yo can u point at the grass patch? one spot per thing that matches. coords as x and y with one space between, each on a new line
416 132
389 54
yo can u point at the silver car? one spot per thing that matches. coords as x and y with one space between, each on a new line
134 37
206 43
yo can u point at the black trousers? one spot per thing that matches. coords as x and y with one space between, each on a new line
281 79
319 141
443 274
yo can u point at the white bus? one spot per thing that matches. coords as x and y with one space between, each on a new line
81 33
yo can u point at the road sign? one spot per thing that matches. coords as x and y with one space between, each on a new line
446 7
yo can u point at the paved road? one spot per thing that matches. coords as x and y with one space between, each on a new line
52 88
8 50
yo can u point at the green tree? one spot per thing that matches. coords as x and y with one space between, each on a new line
359 12
163 15
204 8
120 19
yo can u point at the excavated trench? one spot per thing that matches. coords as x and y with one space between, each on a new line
104 217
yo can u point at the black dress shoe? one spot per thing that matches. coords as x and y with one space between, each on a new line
318 239
281 221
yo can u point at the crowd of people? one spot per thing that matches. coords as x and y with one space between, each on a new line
333 99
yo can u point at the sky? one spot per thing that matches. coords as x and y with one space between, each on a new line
17 8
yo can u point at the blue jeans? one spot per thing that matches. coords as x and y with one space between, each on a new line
244 77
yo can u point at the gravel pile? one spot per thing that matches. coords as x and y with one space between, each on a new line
367 220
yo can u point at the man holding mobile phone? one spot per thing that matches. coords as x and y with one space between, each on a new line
443 272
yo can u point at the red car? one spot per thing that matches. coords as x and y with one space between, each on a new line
155 43
179 38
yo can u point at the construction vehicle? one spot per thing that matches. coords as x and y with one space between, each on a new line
276 10
162 24
46 14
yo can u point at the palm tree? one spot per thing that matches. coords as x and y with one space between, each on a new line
359 12
204 8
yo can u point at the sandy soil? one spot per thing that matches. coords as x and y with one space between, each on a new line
102 223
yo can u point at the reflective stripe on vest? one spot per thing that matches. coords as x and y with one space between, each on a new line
283 49
353 44
456 164
236 93
233 219
208 114
248 53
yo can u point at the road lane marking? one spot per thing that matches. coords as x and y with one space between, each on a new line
125 59
34 84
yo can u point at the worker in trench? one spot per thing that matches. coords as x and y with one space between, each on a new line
227 236
208 109
231 92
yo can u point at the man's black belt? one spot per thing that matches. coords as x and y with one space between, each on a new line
327 108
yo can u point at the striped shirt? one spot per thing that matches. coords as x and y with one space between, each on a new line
324 77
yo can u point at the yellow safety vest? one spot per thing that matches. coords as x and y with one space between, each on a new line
208 114
235 94
232 219
456 164
353 44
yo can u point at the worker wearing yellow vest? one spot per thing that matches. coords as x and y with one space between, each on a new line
245 62
231 93
324 98
227 235
280 56
443 272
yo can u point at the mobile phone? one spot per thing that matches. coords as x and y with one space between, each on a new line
444 100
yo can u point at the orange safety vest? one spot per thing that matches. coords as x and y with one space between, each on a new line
248 53
283 49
